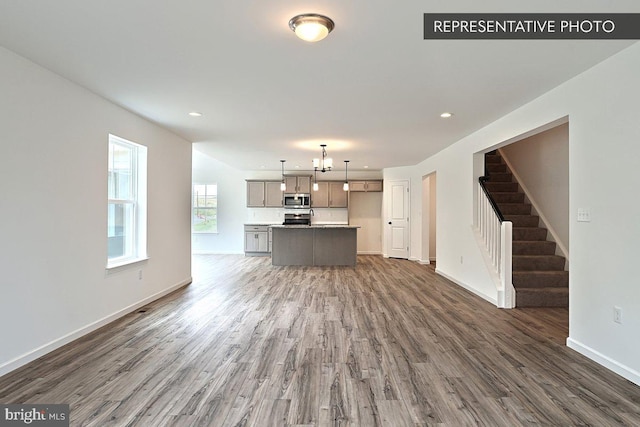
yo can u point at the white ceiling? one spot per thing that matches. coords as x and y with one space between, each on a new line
372 91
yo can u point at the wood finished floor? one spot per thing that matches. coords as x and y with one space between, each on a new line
386 343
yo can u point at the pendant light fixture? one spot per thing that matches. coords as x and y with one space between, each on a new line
311 27
315 180
283 186
345 187
324 163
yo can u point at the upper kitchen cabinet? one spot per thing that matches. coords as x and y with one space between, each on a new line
273 194
297 183
365 186
330 194
262 194
255 194
337 195
320 198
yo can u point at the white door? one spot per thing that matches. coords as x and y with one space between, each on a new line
398 220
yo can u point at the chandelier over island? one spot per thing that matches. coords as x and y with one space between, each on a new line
324 164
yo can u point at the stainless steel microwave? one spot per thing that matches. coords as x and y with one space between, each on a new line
297 201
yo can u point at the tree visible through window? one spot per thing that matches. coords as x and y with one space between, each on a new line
205 208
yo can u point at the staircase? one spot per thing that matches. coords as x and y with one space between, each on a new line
539 277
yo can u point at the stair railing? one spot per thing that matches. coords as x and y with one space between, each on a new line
497 235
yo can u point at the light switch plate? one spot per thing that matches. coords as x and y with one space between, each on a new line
584 215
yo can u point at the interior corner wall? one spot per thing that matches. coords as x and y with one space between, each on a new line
428 219
432 216
604 170
231 205
53 250
425 219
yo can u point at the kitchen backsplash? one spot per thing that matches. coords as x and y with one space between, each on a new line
276 216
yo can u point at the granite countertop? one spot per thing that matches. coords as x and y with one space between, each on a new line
315 226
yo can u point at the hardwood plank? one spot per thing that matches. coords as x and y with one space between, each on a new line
387 342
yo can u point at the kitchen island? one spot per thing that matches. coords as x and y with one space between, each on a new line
314 244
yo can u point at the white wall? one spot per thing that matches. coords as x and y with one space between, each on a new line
604 167
53 182
542 165
231 205
365 210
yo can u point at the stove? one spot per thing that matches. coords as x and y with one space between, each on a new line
297 219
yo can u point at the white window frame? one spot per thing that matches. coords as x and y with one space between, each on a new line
136 237
193 207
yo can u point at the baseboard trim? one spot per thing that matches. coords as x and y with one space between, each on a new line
196 252
66 339
369 253
422 261
467 287
620 369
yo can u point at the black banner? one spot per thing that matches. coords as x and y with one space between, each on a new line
532 26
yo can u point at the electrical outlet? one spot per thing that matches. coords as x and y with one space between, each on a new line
139 274
617 314
461 259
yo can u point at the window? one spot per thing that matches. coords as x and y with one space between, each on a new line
127 210
205 208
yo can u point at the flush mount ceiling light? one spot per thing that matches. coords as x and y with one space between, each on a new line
446 115
311 27
195 114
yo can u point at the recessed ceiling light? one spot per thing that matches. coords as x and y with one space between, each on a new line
297 166
446 115
366 167
195 114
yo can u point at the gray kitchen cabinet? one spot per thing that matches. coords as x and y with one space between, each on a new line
256 240
320 198
264 194
297 183
360 186
337 195
255 194
273 194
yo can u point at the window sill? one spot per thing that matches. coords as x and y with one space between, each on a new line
121 265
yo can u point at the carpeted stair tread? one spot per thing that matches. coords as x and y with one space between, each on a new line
542 297
537 262
523 220
492 158
514 208
529 233
508 197
533 247
495 167
540 279
501 186
501 177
